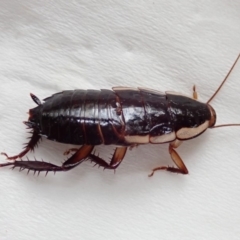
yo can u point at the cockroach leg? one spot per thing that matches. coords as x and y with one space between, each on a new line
115 160
181 168
70 150
39 166
81 155
178 161
133 146
36 166
176 143
195 95
29 147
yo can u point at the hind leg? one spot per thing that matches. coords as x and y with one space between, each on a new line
29 147
40 166
34 139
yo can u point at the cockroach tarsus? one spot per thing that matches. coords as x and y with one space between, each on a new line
125 117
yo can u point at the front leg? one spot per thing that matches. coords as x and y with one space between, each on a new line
181 168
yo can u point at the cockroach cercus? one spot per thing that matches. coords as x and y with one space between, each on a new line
123 116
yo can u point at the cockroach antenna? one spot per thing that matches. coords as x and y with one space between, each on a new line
224 80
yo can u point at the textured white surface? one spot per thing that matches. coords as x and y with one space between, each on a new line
49 46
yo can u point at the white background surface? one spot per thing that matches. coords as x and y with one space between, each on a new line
46 47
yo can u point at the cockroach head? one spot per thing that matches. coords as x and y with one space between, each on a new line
213 118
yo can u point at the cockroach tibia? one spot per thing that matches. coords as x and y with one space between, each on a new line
123 116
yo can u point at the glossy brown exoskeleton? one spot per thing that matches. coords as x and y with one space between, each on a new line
123 116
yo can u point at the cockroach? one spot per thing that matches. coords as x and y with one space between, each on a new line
123 116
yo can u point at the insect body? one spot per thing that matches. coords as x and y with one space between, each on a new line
122 116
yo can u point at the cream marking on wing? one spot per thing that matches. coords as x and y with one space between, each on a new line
137 139
183 95
177 93
186 133
163 138
124 88
148 90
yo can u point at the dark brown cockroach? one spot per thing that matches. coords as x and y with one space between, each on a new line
125 117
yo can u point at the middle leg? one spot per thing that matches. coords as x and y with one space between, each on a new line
70 150
115 160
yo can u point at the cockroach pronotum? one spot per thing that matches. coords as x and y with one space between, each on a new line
125 117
